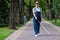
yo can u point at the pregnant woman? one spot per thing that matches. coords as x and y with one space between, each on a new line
36 18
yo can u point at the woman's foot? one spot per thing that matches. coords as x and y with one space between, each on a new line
36 35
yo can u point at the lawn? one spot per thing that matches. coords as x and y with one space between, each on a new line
53 21
5 31
57 22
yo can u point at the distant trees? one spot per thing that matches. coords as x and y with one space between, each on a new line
53 7
50 8
12 12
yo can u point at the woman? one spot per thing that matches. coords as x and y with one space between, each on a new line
36 18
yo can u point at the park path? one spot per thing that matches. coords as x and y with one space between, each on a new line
48 31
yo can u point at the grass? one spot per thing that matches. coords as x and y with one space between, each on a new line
5 31
57 22
53 21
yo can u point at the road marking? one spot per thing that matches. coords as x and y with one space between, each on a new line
45 29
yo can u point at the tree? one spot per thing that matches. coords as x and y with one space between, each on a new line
21 11
49 5
29 10
12 14
17 13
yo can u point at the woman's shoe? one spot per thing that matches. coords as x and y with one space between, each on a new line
36 35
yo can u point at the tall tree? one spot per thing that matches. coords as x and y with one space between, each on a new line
17 13
21 11
50 6
29 10
12 14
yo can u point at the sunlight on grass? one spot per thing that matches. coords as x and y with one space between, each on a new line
5 32
53 21
57 22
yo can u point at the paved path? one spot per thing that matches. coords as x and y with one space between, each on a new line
48 31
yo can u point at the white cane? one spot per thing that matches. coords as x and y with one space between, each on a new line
38 22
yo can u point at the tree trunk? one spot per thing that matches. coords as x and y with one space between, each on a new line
21 11
49 5
17 17
12 15
17 12
29 10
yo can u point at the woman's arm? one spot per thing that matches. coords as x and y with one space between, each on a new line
34 15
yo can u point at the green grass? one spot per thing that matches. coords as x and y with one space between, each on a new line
53 21
57 22
5 32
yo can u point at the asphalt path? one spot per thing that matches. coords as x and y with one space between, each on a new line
48 31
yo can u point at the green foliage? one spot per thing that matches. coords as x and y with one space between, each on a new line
4 12
58 6
5 6
57 22
27 5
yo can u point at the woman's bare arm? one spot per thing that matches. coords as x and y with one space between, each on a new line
34 15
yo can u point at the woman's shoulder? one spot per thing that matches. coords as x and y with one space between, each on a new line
34 8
